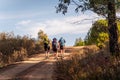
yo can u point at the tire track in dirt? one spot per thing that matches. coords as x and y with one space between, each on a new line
40 71
8 73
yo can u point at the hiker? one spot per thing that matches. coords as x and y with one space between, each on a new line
55 47
47 47
62 46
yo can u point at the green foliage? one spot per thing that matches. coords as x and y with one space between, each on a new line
97 6
118 24
79 42
106 8
102 38
41 38
98 34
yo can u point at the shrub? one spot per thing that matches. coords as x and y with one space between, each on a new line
90 66
15 48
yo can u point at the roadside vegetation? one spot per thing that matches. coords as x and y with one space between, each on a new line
93 61
104 64
17 48
97 35
89 63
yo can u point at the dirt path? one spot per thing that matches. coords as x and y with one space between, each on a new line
35 68
40 71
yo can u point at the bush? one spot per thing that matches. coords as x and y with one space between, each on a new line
15 48
90 66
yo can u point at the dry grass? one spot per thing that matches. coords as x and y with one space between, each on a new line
16 48
89 64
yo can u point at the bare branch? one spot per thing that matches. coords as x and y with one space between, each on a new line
91 19
75 2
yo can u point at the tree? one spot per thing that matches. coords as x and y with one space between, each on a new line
106 8
41 37
98 34
79 42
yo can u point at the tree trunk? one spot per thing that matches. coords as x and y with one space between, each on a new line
113 30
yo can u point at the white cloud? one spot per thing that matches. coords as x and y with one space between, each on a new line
24 22
57 26
29 27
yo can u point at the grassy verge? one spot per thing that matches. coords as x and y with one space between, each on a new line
89 64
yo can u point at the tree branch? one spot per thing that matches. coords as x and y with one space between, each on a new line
79 22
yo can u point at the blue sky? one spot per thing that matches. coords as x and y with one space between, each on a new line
27 17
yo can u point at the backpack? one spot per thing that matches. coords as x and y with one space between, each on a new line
46 43
54 44
62 42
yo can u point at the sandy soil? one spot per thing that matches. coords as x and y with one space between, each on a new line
35 68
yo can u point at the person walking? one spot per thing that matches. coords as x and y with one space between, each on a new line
62 46
47 47
55 47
